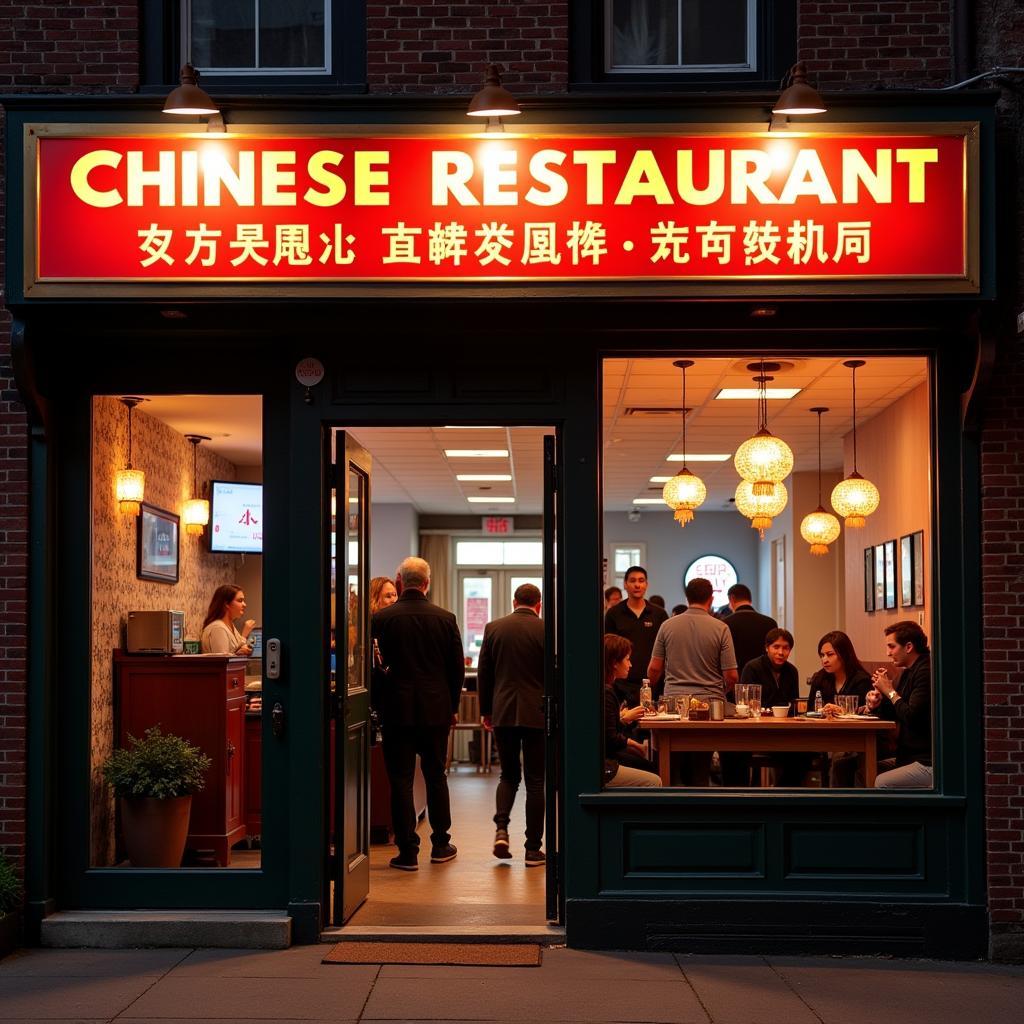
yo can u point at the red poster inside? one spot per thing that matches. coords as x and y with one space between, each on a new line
553 208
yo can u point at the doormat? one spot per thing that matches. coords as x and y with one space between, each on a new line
464 954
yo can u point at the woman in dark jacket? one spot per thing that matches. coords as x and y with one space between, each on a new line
623 756
841 671
778 678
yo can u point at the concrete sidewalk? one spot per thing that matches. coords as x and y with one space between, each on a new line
292 984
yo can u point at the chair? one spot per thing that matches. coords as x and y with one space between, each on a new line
469 720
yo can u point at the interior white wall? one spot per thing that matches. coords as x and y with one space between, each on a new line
671 548
394 535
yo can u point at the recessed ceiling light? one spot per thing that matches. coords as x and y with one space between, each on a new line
660 479
459 427
752 393
471 477
650 501
688 457
476 453
486 500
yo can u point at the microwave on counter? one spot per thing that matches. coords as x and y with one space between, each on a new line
156 632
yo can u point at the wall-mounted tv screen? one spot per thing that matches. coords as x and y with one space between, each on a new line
236 517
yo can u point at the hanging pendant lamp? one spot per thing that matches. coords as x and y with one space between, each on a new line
685 491
761 509
130 483
764 459
196 513
819 528
855 498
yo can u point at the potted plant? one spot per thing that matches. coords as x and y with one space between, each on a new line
155 778
10 904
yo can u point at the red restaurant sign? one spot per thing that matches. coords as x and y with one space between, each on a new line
232 210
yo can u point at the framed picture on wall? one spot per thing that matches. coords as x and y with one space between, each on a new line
890 573
906 571
918 556
879 577
869 579
156 548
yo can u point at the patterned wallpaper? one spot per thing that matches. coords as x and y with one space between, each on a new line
166 458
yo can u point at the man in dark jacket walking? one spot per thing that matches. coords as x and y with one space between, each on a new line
510 678
421 652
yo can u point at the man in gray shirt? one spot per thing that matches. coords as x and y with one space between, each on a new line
696 653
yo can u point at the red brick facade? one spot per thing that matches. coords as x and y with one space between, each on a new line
442 48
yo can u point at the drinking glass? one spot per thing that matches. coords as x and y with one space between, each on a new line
848 703
662 706
754 699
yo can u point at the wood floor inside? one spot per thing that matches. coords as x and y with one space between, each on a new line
474 889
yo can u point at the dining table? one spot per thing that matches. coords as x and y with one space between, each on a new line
767 734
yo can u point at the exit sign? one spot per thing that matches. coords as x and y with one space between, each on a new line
498 526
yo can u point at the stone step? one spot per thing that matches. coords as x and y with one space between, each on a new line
127 929
545 935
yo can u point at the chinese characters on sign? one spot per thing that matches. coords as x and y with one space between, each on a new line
556 208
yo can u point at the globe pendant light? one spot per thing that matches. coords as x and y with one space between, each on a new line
130 483
819 528
855 498
761 509
764 459
684 492
196 513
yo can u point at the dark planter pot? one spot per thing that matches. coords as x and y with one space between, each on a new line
10 933
155 830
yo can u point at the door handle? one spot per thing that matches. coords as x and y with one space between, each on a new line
277 720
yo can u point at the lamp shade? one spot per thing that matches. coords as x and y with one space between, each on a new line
763 460
683 493
855 498
761 509
131 489
195 515
819 528
188 98
493 100
799 97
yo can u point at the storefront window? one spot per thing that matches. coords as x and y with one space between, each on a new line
788 652
177 598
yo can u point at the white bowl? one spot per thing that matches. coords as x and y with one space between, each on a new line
780 710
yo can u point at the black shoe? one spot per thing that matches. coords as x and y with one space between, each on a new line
535 858
405 861
440 854
501 850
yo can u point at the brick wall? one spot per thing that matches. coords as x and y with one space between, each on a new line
855 45
443 48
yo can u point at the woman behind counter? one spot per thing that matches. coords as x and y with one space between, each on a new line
219 633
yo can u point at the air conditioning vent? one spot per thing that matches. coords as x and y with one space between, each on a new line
652 410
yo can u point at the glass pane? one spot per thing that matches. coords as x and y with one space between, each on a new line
624 558
356 674
478 552
476 613
222 33
292 34
644 33
714 32
524 552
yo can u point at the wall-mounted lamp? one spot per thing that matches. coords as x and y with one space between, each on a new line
196 513
131 483
493 101
798 97
189 99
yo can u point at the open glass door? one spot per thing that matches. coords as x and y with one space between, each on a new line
553 688
350 676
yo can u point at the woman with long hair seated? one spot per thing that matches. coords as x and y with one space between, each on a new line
219 633
619 748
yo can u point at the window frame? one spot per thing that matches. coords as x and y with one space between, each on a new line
774 49
162 40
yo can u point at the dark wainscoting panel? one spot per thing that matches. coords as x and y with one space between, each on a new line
882 851
699 849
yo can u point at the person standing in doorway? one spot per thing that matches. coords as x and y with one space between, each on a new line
612 596
421 651
638 621
510 682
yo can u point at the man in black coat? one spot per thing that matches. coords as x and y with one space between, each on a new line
423 672
748 628
510 681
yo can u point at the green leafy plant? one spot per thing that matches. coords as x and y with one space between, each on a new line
157 766
10 887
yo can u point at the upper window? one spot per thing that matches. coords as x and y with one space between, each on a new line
680 35
257 37
700 44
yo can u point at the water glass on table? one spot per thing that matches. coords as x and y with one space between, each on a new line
754 699
848 703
